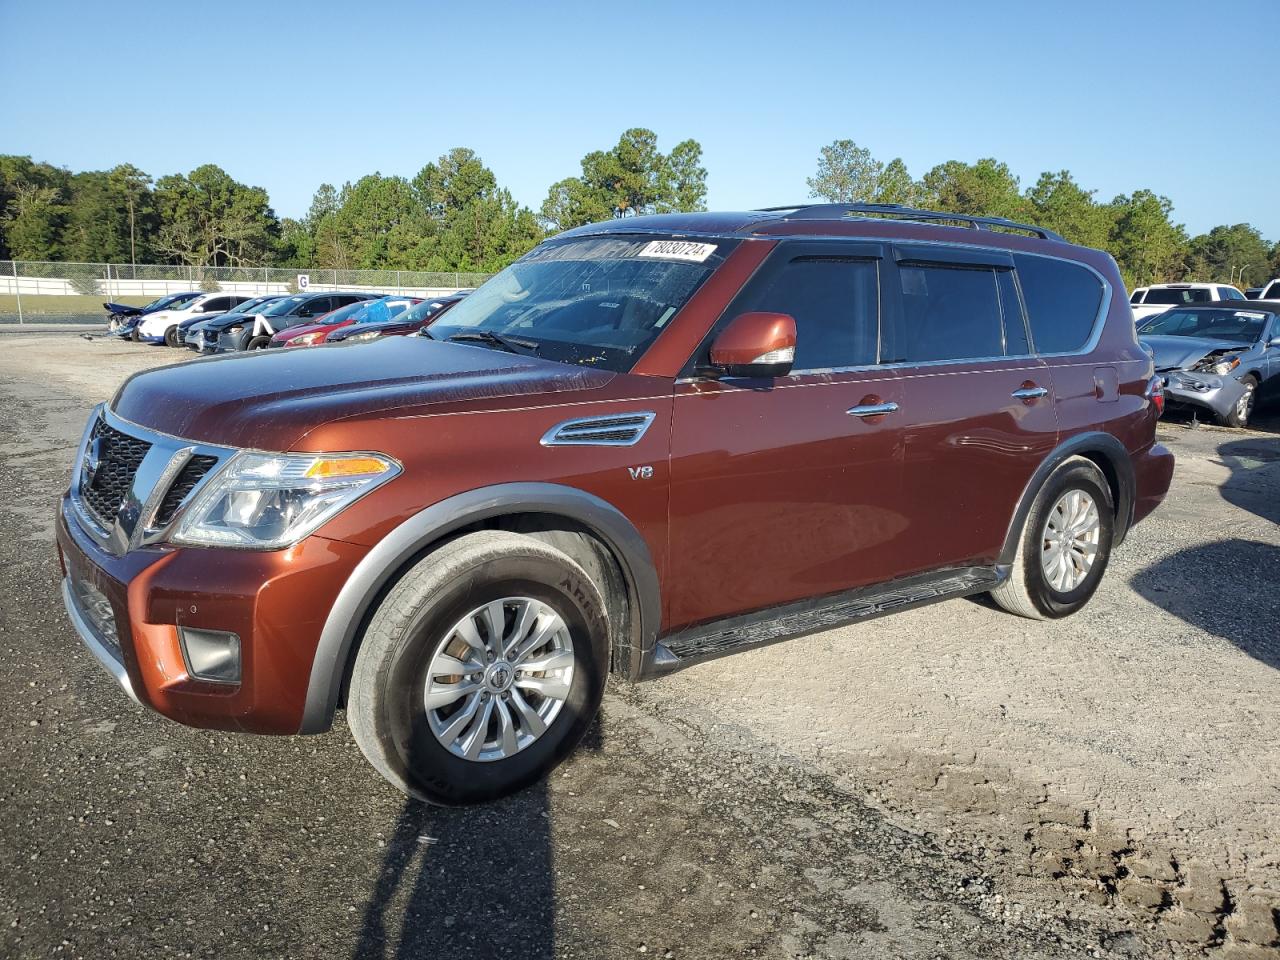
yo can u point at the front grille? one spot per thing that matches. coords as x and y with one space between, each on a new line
121 456
192 473
95 608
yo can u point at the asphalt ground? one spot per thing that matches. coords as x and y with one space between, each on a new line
949 782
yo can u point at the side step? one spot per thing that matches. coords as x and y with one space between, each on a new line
722 637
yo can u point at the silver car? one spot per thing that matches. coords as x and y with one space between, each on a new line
1216 356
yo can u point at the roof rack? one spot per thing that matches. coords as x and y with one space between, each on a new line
839 211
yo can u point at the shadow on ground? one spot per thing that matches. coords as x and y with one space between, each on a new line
1227 588
472 882
1254 484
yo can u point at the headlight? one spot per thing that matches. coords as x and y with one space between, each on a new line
265 501
235 330
303 341
1225 366
361 337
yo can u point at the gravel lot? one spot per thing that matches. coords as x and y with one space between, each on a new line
950 782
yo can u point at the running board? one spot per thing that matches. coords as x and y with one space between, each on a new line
722 637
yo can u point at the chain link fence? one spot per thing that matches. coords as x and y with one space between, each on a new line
41 283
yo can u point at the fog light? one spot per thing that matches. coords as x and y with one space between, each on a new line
212 655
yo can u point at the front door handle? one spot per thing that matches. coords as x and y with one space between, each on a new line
1029 393
872 409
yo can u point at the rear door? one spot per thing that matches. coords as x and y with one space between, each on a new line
977 412
787 488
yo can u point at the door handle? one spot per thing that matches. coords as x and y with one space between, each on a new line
872 409
1029 393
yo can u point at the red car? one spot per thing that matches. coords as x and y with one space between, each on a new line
645 444
384 308
413 320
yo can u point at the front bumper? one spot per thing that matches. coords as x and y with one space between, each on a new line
150 338
1207 391
275 601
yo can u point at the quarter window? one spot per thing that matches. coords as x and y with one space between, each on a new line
835 303
1062 301
949 313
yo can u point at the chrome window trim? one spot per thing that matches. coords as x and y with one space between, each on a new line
155 475
1095 335
552 439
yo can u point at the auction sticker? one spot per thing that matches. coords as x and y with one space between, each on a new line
1251 314
678 250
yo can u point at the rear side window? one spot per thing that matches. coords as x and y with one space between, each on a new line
835 303
949 313
1229 293
1062 301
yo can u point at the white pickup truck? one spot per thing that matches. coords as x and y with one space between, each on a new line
1159 297
1270 291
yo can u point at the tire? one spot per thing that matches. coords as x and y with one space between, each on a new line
136 335
258 343
386 706
1240 413
171 337
1028 592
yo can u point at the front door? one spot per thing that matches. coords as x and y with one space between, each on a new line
788 488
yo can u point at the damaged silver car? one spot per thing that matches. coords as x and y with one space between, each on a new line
1216 356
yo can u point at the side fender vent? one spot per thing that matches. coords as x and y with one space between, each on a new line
619 430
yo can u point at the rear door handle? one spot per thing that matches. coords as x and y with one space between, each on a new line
872 409
1029 393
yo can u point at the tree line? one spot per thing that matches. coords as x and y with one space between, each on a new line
453 214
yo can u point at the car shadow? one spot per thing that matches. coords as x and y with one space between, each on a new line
1252 485
470 882
1226 588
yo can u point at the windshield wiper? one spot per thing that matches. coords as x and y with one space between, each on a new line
510 344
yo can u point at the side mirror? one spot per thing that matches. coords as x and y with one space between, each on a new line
755 345
1274 342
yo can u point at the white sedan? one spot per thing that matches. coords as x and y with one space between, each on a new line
162 326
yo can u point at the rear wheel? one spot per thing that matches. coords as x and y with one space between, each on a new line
1064 546
481 669
1243 410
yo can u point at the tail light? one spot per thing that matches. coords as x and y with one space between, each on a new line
1155 393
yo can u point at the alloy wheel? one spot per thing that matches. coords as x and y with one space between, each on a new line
1069 540
499 678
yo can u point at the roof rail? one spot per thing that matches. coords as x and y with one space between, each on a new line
839 211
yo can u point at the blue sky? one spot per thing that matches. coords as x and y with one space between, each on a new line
287 96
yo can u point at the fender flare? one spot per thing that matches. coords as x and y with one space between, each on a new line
1082 444
363 588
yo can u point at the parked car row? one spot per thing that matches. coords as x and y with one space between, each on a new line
211 323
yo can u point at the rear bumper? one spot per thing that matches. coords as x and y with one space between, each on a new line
276 602
1153 472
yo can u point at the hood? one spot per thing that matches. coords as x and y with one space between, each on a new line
225 320
288 333
393 324
269 398
1182 353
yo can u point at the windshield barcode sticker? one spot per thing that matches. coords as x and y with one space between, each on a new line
678 250
1251 315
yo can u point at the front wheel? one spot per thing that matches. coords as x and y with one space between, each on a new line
171 337
258 343
1064 546
481 670
1243 409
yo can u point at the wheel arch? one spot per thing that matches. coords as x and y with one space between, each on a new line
579 523
1108 454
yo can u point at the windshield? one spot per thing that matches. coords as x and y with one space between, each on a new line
281 307
1181 295
599 301
1237 326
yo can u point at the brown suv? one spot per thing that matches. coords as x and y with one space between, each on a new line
647 443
